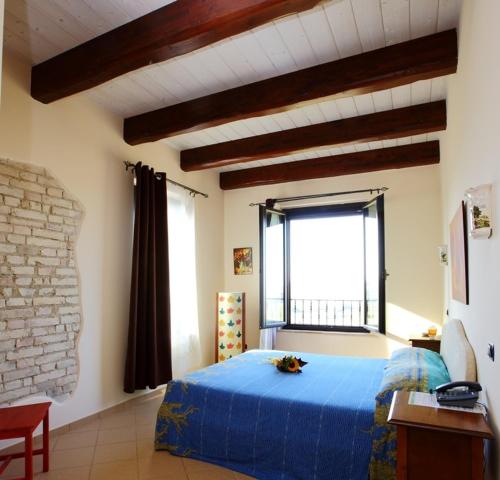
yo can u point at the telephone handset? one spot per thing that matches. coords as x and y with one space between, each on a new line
458 394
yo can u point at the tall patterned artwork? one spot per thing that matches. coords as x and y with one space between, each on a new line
230 336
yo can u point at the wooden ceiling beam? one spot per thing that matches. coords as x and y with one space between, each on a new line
388 67
176 29
413 155
403 122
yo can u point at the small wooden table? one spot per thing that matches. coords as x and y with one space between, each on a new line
22 421
434 443
431 343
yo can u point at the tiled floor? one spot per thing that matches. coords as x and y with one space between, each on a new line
118 445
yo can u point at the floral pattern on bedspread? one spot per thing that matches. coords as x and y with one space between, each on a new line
409 369
173 415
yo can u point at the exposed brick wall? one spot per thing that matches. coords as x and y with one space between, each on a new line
40 310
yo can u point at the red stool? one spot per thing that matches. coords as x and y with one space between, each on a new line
22 421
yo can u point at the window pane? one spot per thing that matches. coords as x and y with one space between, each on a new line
274 268
327 271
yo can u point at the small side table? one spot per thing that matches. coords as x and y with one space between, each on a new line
433 343
435 443
22 421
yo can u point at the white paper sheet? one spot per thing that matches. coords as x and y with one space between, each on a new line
429 400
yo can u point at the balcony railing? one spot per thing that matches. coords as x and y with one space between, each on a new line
322 312
327 313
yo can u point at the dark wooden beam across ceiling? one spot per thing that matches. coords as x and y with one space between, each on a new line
413 155
176 29
403 122
388 67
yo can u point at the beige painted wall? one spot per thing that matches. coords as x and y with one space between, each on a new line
82 145
470 155
412 227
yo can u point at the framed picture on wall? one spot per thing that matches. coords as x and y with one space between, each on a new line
243 263
458 257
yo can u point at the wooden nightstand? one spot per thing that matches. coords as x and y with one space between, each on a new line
433 344
434 443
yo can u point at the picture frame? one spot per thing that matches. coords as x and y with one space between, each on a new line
479 211
243 261
459 256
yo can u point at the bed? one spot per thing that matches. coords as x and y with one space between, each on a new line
327 423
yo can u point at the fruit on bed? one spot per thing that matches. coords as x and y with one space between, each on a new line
289 364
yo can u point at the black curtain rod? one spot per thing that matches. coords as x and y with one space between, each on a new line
192 191
270 202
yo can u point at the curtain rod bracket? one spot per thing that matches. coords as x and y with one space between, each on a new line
192 191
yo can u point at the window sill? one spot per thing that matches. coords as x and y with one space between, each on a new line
311 329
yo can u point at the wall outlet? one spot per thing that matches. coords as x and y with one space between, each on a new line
491 351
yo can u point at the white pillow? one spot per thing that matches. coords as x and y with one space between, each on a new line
457 352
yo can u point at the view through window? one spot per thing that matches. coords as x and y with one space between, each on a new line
327 271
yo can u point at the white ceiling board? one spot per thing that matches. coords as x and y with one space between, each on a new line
421 92
319 35
400 96
274 48
296 40
63 24
370 24
448 14
364 104
396 16
383 100
340 15
438 88
423 17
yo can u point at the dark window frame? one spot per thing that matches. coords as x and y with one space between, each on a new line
263 324
319 212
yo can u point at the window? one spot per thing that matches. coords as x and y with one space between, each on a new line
322 268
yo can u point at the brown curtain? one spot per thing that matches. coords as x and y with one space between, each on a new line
149 362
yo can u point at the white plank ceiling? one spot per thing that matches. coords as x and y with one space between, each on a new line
40 29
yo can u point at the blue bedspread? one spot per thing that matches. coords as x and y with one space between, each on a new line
246 415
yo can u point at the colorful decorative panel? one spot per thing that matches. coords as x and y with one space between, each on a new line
230 337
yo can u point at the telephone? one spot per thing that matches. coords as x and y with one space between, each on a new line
458 394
